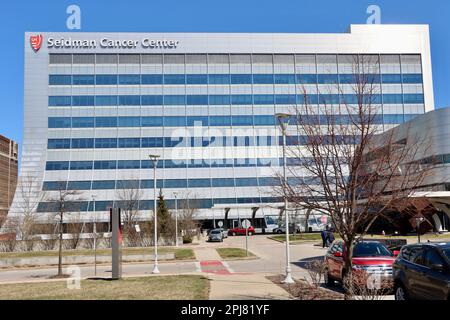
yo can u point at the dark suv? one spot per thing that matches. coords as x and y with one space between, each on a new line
422 271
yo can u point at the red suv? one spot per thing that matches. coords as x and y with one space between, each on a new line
371 257
241 231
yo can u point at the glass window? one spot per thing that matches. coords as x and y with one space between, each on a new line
246 182
175 100
432 258
81 165
83 122
58 122
197 100
285 79
197 79
127 184
175 183
59 101
220 121
199 183
285 99
129 142
174 121
263 79
129 79
243 99
152 79
327 78
152 121
105 143
83 101
263 99
152 100
175 142
54 185
106 100
242 120
152 142
58 144
59 79
226 182
219 99
129 121
413 98
128 164
412 78
219 79
106 122
129 100
105 165
174 79
79 185
241 79
392 98
57 165
106 79
417 256
83 79
264 121
391 78
198 121
82 143
306 78
99 185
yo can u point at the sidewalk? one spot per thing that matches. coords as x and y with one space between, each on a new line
225 284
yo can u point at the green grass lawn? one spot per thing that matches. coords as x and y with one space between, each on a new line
180 253
231 253
147 288
297 237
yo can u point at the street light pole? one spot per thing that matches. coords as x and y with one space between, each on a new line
94 229
283 125
154 158
175 194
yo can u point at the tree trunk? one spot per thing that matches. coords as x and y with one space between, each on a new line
347 276
60 247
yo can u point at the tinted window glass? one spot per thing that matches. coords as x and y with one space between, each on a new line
370 249
152 79
417 256
447 253
432 258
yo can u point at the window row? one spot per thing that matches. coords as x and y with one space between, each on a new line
100 205
170 164
192 79
204 121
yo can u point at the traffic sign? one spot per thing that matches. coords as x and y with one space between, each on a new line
220 224
246 224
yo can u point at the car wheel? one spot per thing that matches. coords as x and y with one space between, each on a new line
250 233
400 292
328 281
233 233
279 231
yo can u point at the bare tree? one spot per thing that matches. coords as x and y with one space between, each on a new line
29 196
75 229
186 218
129 195
345 171
64 201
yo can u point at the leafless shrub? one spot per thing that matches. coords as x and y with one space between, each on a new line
364 286
316 270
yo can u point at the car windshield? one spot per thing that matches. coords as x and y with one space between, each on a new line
371 249
215 232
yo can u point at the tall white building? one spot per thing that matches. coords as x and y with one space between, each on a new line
97 104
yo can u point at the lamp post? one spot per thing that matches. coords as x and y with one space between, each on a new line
154 159
94 229
175 194
283 120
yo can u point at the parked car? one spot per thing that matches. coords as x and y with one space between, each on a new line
371 257
282 229
422 271
215 235
224 232
241 231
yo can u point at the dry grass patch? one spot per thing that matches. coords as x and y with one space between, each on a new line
184 287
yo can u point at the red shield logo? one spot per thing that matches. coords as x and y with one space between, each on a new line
36 42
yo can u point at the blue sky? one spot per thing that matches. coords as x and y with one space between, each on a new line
17 16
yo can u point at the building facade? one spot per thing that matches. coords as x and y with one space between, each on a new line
97 104
9 159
